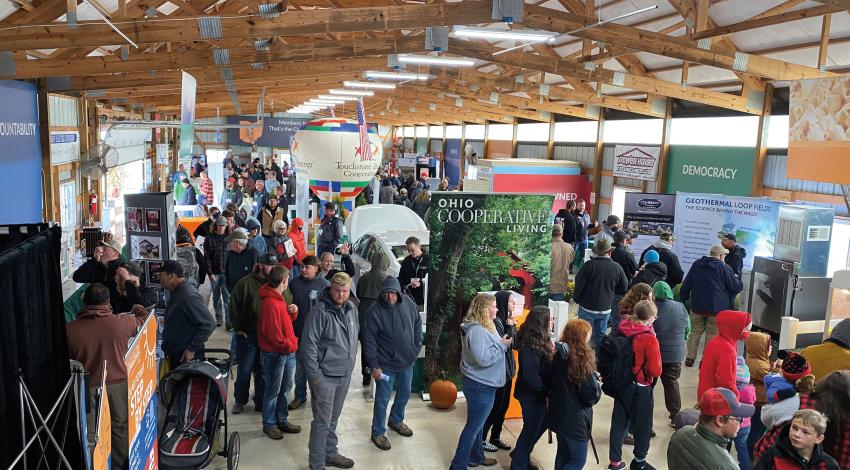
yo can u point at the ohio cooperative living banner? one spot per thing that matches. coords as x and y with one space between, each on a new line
648 215
702 218
480 242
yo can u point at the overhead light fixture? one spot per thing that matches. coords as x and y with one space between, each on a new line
322 103
435 60
333 99
340 91
397 75
515 34
338 97
376 85
583 28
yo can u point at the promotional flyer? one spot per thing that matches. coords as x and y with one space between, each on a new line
648 216
702 219
140 361
480 243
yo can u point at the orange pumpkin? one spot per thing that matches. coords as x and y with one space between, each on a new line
443 394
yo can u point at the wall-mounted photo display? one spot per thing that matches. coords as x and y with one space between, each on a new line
152 219
153 272
145 247
135 219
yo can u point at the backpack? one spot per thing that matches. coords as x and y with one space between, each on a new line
615 361
186 257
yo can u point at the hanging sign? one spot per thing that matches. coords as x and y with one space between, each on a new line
64 147
636 162
162 154
187 114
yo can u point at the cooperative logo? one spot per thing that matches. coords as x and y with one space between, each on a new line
650 203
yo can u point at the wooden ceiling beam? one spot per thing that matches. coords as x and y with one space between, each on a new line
429 96
771 20
243 55
680 48
295 23
843 4
625 80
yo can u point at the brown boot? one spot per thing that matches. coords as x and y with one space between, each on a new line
273 432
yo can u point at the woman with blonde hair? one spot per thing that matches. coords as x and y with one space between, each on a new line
483 367
574 390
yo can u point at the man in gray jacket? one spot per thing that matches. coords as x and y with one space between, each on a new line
327 349
392 338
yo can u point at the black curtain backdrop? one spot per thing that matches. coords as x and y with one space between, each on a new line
32 338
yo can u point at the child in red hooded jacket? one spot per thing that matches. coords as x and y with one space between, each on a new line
719 367
634 406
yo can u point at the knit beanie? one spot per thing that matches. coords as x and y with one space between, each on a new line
651 256
794 366
742 372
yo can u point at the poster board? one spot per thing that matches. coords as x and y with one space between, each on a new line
702 218
151 235
648 215
141 364
636 162
478 241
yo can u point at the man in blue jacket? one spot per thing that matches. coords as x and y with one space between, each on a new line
189 322
392 338
711 286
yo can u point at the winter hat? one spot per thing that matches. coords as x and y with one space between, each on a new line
252 223
794 366
778 388
661 290
651 256
742 372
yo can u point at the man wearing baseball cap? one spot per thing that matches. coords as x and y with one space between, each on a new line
189 322
230 195
736 255
102 267
245 302
705 446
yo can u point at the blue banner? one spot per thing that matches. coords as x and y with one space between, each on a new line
453 153
20 162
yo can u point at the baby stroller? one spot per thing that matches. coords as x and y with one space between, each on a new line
195 397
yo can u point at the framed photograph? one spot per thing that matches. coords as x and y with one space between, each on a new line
153 272
152 220
135 219
142 247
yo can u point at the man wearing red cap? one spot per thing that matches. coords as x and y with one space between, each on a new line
719 367
230 195
705 446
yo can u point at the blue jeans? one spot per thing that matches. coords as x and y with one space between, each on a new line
248 355
557 297
572 455
744 460
579 248
278 370
598 323
383 390
533 425
300 381
219 295
479 400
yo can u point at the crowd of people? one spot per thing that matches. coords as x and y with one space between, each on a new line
297 323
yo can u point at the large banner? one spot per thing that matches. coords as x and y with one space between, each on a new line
481 242
453 159
636 162
701 219
275 131
141 401
187 114
819 130
648 215
20 161
704 169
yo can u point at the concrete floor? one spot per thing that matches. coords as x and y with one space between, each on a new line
435 433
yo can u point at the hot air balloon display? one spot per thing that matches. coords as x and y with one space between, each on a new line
329 153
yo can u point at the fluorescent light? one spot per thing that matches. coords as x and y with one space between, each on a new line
340 91
378 85
322 103
434 60
334 99
338 97
517 35
397 75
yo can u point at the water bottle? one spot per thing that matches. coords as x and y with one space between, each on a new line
385 377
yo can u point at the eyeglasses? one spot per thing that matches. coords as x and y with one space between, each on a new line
734 418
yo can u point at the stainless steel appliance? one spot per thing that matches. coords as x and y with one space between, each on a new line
803 234
777 290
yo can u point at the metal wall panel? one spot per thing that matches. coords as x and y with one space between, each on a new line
775 171
63 111
608 157
437 145
583 154
477 147
531 151
607 187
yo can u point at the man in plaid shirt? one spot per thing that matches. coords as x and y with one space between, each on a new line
206 188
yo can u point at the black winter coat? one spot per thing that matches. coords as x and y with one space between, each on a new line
625 259
570 412
675 273
735 259
569 222
503 329
651 273
533 378
597 282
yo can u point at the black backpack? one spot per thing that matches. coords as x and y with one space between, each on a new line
615 361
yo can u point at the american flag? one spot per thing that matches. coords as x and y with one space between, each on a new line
363 128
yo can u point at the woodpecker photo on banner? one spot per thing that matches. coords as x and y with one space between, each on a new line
636 162
481 242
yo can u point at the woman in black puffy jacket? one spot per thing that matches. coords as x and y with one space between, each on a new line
575 388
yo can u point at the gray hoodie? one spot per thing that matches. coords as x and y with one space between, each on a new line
328 344
392 334
483 356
